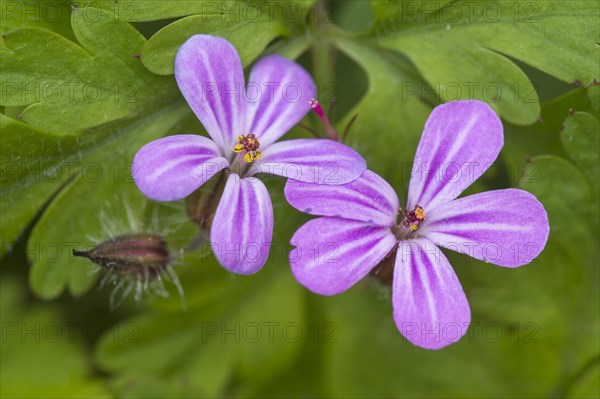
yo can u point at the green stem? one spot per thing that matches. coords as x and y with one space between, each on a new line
323 55
323 59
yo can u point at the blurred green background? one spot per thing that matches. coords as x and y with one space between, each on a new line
535 330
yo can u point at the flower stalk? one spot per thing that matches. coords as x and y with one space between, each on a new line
322 51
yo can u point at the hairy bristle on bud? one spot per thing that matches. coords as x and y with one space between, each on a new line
136 260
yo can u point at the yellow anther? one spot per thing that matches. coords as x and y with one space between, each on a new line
257 154
248 157
419 213
414 227
238 148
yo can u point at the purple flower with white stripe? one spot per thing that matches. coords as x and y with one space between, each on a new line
363 225
243 123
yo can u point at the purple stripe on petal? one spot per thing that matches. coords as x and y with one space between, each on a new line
368 198
319 161
209 73
430 307
242 228
333 254
504 227
279 91
460 142
173 167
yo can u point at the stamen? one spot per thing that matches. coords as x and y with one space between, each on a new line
419 213
249 146
413 219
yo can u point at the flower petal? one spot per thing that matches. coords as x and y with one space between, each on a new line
242 228
278 93
460 142
209 73
319 161
369 199
430 307
504 227
333 254
173 167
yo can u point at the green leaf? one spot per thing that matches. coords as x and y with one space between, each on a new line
462 48
18 209
240 10
574 189
588 385
140 10
531 284
521 143
86 86
34 337
242 335
39 164
158 55
54 16
463 71
30 174
250 26
103 189
568 267
581 140
389 10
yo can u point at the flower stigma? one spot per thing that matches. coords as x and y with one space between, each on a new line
249 146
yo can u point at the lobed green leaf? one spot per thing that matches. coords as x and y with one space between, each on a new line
462 48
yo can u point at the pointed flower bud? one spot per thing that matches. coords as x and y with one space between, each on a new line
133 261
130 255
